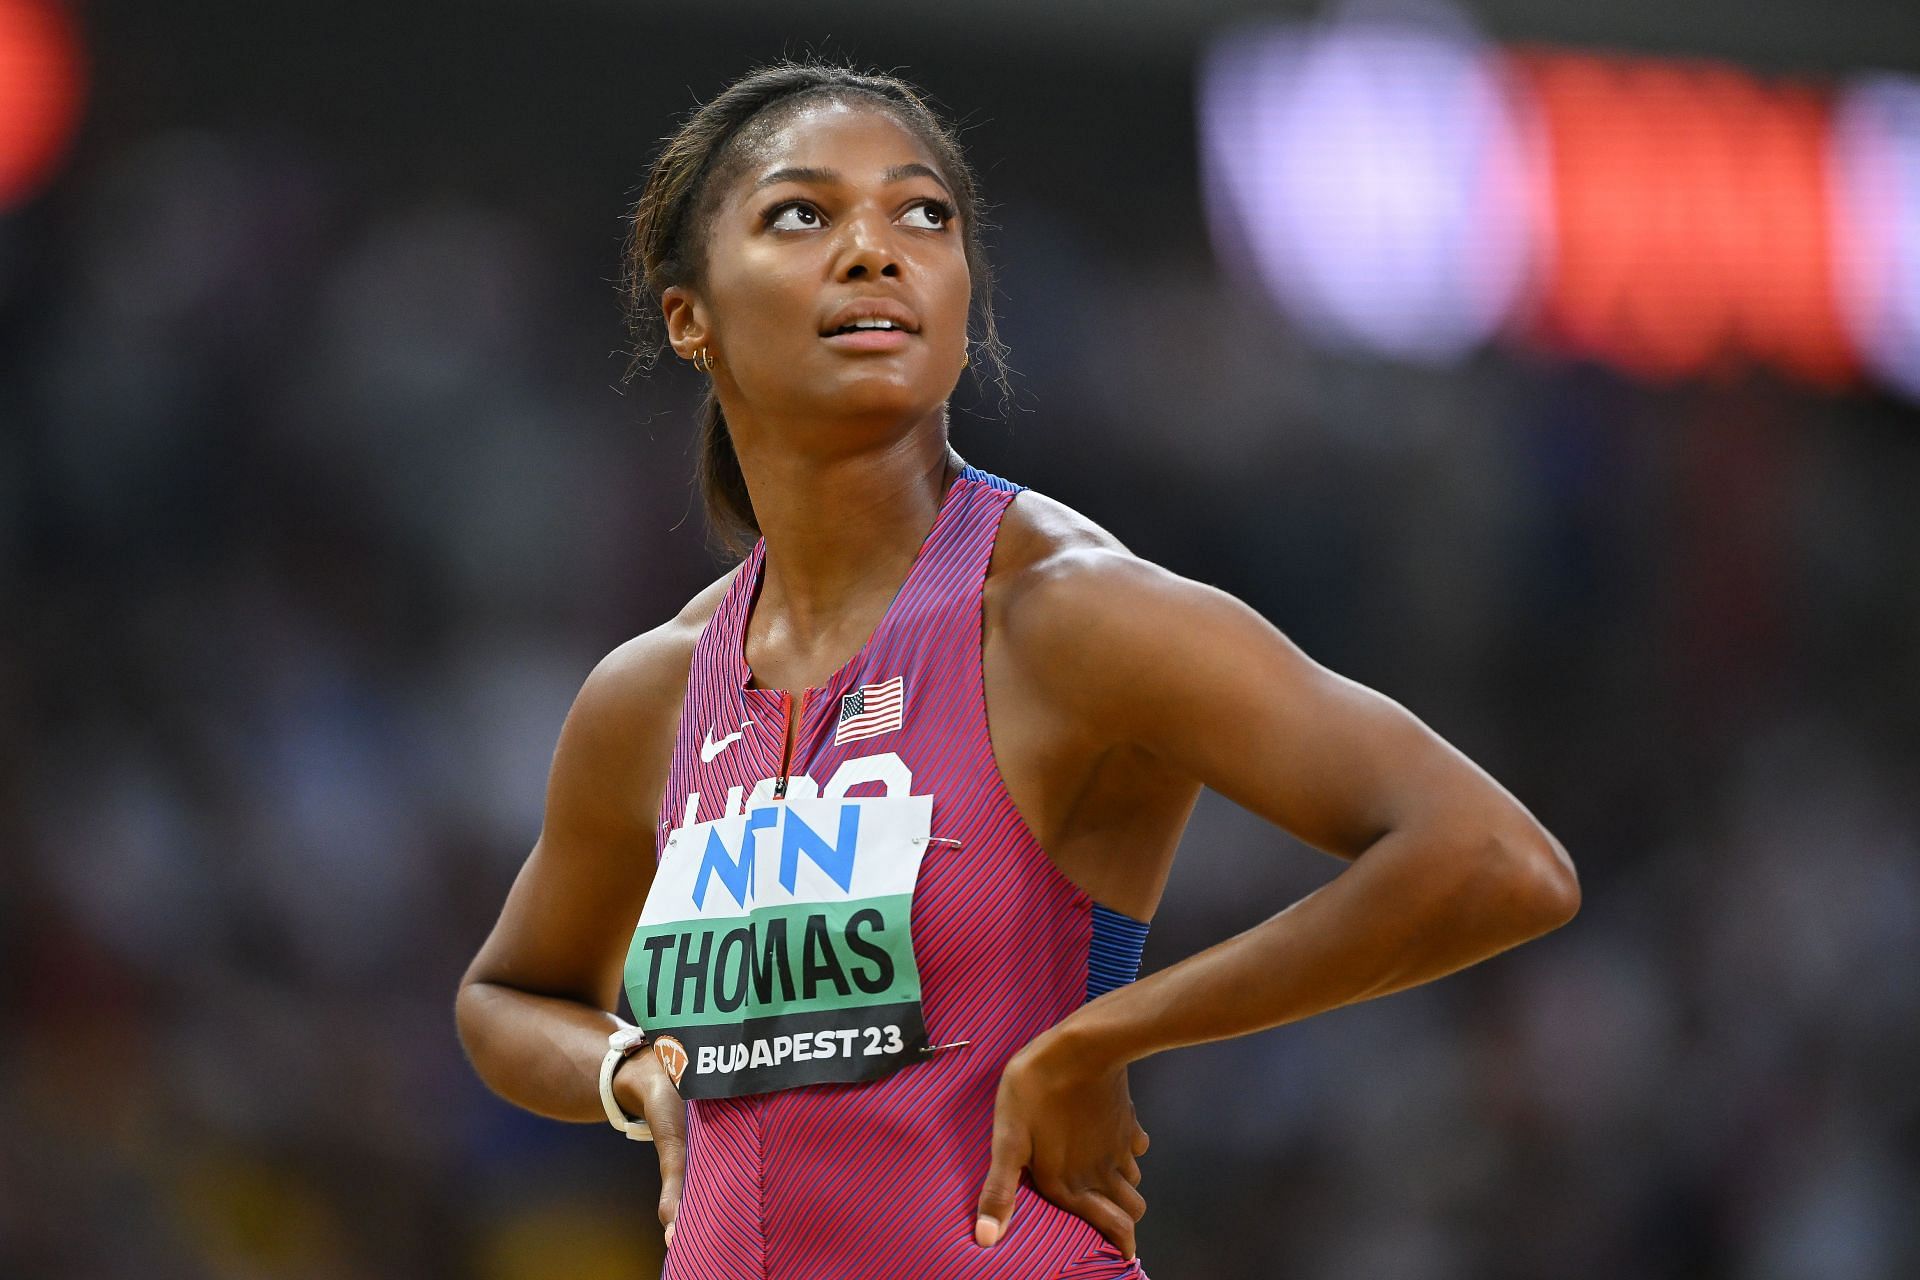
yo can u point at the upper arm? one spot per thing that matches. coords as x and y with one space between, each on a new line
567 919
1195 677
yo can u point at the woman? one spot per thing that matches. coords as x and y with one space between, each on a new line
913 772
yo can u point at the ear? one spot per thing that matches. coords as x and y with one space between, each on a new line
685 316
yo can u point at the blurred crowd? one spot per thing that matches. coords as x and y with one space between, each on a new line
320 495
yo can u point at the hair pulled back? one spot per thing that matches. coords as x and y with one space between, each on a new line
667 240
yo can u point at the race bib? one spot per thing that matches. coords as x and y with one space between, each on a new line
774 948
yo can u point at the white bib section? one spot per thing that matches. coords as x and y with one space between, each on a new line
816 845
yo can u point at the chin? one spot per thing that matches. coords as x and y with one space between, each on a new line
874 398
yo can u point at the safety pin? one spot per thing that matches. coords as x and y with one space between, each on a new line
956 1044
936 840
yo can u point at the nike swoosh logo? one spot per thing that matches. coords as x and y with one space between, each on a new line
709 748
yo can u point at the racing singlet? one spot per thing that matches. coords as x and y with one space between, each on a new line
810 944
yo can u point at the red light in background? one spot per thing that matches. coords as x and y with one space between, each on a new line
1684 219
40 93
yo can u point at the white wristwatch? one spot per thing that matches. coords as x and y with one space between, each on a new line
621 1043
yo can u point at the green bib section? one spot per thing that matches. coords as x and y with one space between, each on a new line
788 959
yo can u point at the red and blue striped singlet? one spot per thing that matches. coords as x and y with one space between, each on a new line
878 1179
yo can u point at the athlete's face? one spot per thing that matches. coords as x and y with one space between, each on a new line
840 204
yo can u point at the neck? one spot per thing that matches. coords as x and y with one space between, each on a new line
845 527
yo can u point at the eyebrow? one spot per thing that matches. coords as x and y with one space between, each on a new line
831 177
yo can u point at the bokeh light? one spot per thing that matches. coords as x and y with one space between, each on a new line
1369 168
1876 190
40 94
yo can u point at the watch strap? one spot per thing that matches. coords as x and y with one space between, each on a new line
626 1038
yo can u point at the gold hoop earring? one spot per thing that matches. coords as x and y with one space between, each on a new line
965 360
703 360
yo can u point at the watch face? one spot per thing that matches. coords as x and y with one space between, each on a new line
673 1056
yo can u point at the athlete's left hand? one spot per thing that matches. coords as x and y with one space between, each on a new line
1069 1117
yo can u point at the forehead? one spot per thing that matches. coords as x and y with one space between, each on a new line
858 140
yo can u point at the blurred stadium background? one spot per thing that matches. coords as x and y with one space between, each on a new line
1550 367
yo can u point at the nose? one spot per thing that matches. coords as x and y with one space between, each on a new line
867 252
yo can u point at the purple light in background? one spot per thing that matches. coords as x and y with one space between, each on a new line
1372 172
1876 224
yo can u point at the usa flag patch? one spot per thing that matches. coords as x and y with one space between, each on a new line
871 709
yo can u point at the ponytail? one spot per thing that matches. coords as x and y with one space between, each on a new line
723 487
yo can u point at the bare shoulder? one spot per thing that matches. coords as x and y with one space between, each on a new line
1108 638
1035 530
638 686
1055 571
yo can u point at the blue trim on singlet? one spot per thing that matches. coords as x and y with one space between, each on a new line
971 472
1113 956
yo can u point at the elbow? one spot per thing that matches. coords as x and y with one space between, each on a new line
470 1016
463 1020
1542 886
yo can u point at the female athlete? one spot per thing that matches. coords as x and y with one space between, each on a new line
871 831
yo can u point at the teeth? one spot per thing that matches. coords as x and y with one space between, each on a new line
871 324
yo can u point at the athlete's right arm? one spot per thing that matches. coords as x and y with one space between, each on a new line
534 1009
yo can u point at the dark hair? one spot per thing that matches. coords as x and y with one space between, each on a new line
666 244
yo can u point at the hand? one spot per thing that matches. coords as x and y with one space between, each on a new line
1070 1119
643 1088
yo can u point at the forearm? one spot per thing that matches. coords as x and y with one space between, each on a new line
1401 914
537 1052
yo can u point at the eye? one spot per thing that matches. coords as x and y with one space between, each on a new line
941 211
777 216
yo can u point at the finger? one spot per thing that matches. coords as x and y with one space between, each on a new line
667 1117
1106 1217
1140 1141
1131 1202
1130 1170
1010 1155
